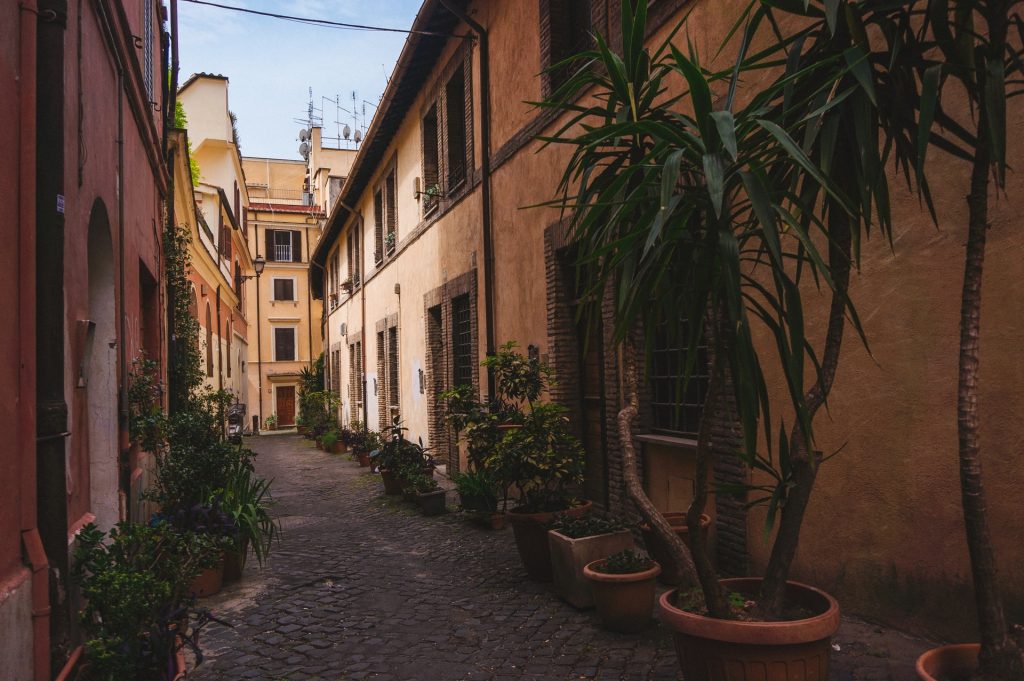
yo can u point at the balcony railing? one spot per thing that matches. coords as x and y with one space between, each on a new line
282 253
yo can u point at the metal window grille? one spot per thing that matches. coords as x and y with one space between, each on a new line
677 406
355 379
462 342
393 373
282 246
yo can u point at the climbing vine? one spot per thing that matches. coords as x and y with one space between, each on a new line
184 373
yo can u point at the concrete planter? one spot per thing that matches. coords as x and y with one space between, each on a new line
569 556
431 503
531 533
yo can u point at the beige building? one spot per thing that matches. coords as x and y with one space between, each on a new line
288 205
220 252
433 259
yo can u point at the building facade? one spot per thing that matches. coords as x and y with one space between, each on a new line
284 228
219 251
430 259
81 126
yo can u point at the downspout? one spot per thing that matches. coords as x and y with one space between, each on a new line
51 408
171 99
35 555
485 180
220 360
309 303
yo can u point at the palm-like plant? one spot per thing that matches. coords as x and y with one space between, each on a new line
677 205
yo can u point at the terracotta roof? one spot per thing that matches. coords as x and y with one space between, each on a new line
286 208
202 74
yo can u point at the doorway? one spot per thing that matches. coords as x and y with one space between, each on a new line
100 374
285 405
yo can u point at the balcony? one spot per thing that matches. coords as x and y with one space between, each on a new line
282 253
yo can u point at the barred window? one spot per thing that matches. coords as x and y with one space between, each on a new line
676 408
462 342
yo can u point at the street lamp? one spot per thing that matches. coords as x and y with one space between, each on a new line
257 265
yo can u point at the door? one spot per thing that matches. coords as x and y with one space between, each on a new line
592 425
285 406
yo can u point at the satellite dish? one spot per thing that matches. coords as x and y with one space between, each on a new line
346 132
359 136
303 135
304 149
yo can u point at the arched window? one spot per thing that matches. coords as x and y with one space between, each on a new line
209 342
227 335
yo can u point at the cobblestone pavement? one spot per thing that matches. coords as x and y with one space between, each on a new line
361 587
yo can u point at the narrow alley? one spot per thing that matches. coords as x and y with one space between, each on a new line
363 587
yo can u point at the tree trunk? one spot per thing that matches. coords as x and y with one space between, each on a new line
631 479
804 461
1000 658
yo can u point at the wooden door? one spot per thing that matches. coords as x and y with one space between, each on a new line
592 422
285 406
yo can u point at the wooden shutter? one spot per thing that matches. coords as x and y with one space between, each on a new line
378 226
296 246
269 251
392 217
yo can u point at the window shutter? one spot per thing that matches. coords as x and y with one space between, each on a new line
389 202
269 251
296 246
378 226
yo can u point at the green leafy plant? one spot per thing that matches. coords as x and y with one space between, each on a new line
329 439
477 490
587 526
247 500
624 562
542 460
421 484
181 122
400 455
519 380
134 585
271 421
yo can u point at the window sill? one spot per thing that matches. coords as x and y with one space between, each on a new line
675 441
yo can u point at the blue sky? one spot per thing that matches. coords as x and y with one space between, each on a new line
272 64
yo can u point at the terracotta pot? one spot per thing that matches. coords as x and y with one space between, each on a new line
624 602
209 581
337 447
179 660
364 458
711 649
234 563
659 550
531 532
301 430
948 661
569 556
392 484
432 503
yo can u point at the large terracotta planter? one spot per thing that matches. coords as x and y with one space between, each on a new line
209 581
569 556
624 602
364 459
76 664
954 661
531 532
234 563
728 650
658 550
392 483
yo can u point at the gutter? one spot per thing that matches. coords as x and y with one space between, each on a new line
485 181
34 553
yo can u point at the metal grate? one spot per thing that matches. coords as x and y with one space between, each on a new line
676 408
462 342
393 373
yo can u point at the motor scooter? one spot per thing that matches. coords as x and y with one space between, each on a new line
236 423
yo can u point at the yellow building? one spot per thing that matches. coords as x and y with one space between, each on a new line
283 229
219 251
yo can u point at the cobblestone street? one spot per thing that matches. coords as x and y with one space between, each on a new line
361 587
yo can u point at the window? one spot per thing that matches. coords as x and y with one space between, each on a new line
238 283
385 220
676 408
387 370
430 156
355 261
284 344
565 31
455 125
283 245
147 46
336 372
355 380
209 341
227 336
224 230
284 289
462 342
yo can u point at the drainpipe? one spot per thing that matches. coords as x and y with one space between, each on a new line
485 179
309 303
51 408
35 555
171 99
220 360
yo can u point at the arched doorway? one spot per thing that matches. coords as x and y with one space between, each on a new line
100 379
209 341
